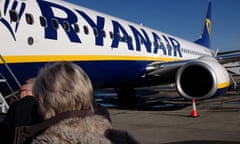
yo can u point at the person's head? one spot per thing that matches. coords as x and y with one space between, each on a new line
26 89
62 87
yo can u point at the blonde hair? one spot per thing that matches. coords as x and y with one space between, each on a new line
62 87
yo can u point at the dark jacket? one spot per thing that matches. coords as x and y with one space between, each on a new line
73 127
21 113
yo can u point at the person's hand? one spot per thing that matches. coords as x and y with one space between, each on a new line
24 92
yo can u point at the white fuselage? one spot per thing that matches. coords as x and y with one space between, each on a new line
100 36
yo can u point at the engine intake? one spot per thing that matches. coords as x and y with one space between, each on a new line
201 79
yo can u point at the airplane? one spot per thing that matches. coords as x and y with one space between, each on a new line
115 53
234 72
233 67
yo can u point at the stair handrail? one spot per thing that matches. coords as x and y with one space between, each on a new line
10 71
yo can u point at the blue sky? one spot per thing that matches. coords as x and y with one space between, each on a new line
182 18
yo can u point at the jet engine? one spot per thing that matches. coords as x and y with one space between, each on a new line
201 79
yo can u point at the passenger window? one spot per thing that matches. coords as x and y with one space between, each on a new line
66 26
85 28
103 33
76 28
95 31
29 19
43 21
130 38
13 16
111 35
55 23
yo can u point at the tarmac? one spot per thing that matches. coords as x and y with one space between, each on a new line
160 116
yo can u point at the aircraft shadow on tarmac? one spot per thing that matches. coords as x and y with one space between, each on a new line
146 99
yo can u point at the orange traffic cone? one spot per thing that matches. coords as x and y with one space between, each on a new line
194 109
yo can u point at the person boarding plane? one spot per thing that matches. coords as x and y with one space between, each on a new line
115 53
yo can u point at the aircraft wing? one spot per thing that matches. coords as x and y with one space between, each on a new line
162 68
228 56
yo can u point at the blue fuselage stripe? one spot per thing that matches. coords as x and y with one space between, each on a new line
103 74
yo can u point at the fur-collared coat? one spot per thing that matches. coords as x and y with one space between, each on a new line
87 130
73 127
93 129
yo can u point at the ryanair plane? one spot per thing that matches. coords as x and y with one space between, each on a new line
115 53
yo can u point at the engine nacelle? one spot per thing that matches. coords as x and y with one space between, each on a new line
201 79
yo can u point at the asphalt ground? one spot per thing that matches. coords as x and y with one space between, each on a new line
159 116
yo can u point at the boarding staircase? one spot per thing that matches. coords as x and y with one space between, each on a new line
4 104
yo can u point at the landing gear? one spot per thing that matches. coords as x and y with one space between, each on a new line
126 95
